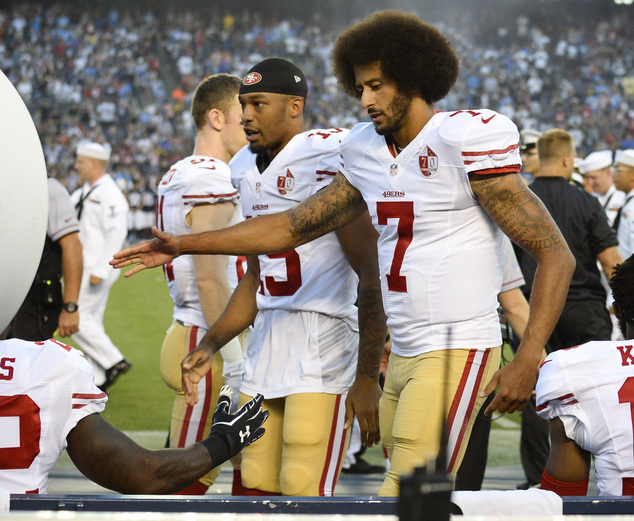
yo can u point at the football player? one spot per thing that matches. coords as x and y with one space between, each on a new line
587 392
440 188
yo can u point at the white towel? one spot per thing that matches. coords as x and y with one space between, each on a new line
502 503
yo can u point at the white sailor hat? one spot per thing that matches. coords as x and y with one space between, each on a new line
625 157
529 138
596 161
93 150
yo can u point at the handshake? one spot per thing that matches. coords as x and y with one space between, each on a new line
230 433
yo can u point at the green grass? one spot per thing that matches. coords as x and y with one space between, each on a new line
138 313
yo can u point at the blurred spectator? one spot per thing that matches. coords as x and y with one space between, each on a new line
624 221
596 169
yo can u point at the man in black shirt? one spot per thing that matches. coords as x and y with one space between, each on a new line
585 227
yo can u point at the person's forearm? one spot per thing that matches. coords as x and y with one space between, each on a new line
548 296
329 209
238 315
372 330
72 266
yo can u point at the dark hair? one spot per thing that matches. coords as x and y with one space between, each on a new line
622 285
413 53
215 92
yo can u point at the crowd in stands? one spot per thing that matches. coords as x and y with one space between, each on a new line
126 75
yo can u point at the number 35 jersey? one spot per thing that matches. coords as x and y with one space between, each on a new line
590 388
439 251
315 276
46 388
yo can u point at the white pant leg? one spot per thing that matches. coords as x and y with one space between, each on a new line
91 337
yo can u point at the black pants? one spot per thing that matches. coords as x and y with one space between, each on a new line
36 320
580 322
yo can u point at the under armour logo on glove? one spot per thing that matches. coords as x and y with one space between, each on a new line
230 433
245 434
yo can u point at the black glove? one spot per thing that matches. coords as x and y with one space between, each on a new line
230 433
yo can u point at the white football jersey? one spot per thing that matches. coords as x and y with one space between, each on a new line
305 335
46 388
189 182
590 388
315 276
439 251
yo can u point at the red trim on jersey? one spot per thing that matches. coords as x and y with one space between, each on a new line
89 396
323 174
193 335
211 196
506 284
560 399
564 488
472 399
330 451
510 169
489 152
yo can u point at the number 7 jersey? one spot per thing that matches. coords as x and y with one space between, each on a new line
439 251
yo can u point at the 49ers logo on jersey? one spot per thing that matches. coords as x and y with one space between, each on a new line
428 162
285 183
251 78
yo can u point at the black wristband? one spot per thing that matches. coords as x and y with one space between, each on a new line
218 448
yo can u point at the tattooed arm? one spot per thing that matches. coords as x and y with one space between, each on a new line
358 241
525 219
331 208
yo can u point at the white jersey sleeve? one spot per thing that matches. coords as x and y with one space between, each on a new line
512 277
62 218
192 181
590 388
489 141
46 388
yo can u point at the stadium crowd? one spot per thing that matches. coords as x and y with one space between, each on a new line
125 76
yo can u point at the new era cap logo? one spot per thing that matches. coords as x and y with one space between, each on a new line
297 79
251 78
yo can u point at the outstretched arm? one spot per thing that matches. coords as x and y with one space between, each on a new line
109 458
237 316
525 219
333 207
358 240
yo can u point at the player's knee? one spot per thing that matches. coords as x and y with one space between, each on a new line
251 475
295 480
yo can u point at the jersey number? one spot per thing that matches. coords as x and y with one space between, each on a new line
293 280
29 426
404 212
